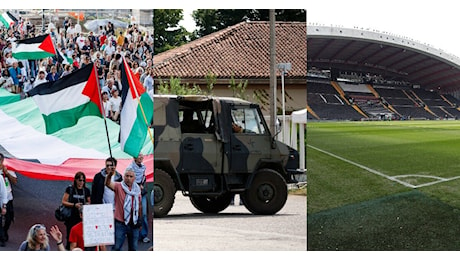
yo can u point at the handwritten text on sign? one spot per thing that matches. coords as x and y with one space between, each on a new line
98 225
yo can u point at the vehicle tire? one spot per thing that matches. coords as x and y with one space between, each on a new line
164 192
211 205
267 193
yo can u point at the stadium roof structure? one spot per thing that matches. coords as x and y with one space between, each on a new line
393 57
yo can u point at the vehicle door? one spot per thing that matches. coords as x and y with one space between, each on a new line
251 144
199 149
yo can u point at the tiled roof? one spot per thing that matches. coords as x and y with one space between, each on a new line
242 50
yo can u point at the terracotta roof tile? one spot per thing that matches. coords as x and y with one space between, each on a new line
242 50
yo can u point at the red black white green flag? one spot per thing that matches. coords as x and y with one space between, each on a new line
136 114
34 48
63 102
8 19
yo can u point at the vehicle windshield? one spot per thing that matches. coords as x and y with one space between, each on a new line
249 119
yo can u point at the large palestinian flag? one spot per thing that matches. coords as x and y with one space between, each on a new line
34 48
58 156
65 101
8 19
137 112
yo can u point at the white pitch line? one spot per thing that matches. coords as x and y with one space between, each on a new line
364 167
392 178
435 182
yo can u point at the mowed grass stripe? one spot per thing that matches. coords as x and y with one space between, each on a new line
337 189
333 183
364 167
404 221
393 148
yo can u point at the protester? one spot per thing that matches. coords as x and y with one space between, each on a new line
53 75
105 103
15 74
3 203
139 169
100 70
128 204
115 105
148 80
75 196
10 179
108 87
36 240
101 194
67 70
139 46
41 78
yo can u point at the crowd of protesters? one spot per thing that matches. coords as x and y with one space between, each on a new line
125 193
104 47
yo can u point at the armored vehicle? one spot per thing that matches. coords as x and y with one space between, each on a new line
199 153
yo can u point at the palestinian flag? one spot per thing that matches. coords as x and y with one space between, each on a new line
34 48
136 114
8 19
62 58
65 101
83 147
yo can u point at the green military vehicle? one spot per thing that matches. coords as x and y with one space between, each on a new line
198 153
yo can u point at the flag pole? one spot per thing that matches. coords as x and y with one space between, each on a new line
138 101
102 108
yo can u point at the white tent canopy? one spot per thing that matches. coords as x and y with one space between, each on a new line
299 116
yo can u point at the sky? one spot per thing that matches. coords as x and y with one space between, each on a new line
188 21
435 23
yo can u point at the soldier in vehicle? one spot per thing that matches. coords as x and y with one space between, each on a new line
236 128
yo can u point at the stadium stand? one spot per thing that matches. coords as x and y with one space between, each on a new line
327 104
390 103
367 75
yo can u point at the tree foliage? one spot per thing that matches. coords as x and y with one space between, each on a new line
174 87
212 20
167 32
211 79
238 88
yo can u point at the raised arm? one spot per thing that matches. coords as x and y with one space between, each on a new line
57 236
108 180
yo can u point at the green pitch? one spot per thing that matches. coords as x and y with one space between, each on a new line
392 185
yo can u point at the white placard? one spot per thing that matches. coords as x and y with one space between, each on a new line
98 225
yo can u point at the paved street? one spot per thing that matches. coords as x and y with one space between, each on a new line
234 229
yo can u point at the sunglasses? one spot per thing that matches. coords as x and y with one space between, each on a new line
109 165
39 226
81 180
